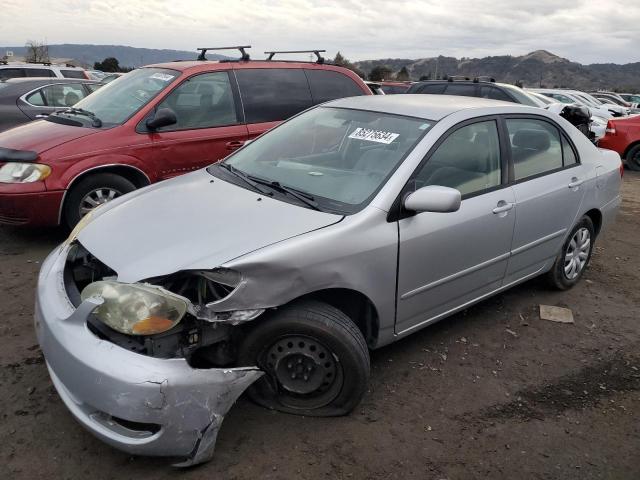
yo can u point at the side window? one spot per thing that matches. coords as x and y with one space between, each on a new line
535 147
328 85
468 160
464 90
63 95
36 99
568 154
72 73
435 88
39 72
270 95
93 86
203 101
494 93
12 72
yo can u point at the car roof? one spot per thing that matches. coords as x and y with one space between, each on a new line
190 66
429 107
44 80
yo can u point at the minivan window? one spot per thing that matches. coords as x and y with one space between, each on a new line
270 95
435 88
117 101
328 85
202 101
11 72
339 157
535 147
461 89
72 73
39 72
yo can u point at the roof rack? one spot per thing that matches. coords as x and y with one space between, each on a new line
484 78
315 51
457 78
243 53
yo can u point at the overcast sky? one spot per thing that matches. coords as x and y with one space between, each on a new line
587 31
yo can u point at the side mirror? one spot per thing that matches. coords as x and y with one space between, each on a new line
162 118
433 198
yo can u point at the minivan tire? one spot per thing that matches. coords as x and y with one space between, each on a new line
557 277
633 158
92 183
307 337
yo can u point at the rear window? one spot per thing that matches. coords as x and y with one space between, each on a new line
461 89
328 85
270 94
494 93
72 73
39 72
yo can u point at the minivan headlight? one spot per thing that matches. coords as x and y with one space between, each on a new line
16 172
136 309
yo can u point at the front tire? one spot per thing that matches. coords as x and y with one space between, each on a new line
92 191
633 158
315 360
574 256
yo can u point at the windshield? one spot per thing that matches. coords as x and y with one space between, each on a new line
337 157
521 96
117 101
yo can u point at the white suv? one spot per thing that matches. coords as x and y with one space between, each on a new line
19 70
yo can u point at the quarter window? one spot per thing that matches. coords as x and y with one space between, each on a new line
36 99
328 85
270 95
468 160
535 147
568 154
203 101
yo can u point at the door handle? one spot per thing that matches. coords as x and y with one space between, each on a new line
575 182
234 145
503 207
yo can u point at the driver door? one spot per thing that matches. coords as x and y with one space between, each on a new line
208 127
446 260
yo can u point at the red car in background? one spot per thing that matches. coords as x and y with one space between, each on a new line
154 123
623 136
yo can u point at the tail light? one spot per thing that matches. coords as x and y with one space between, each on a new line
611 128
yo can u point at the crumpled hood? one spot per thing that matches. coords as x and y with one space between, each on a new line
42 135
195 221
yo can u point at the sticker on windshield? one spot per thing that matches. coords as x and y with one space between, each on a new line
165 77
371 135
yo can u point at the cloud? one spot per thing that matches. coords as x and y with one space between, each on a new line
583 30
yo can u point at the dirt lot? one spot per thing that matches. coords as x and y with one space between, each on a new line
493 392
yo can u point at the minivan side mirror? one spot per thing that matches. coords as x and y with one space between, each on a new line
163 117
433 198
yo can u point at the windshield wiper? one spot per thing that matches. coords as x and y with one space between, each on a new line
303 197
95 121
244 177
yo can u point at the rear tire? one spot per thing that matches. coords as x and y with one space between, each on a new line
94 189
315 360
574 256
633 158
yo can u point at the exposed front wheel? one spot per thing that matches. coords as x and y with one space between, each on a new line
91 192
315 360
574 256
633 158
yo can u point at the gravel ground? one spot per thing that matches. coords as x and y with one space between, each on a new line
493 392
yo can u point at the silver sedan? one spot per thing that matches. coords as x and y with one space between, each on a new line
344 229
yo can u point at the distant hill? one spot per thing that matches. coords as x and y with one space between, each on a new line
127 56
534 69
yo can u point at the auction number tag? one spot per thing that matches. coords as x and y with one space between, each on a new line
371 135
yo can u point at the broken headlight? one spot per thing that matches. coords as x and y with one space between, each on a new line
136 309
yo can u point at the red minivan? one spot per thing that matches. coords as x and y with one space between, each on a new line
149 125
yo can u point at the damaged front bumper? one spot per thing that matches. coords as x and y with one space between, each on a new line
139 404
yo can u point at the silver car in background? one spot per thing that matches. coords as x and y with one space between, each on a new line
344 229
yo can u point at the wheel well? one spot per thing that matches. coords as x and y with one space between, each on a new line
628 149
355 305
596 217
135 176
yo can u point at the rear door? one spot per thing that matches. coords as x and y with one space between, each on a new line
447 260
209 125
271 95
547 178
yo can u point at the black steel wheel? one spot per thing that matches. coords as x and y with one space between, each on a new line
315 360
633 158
